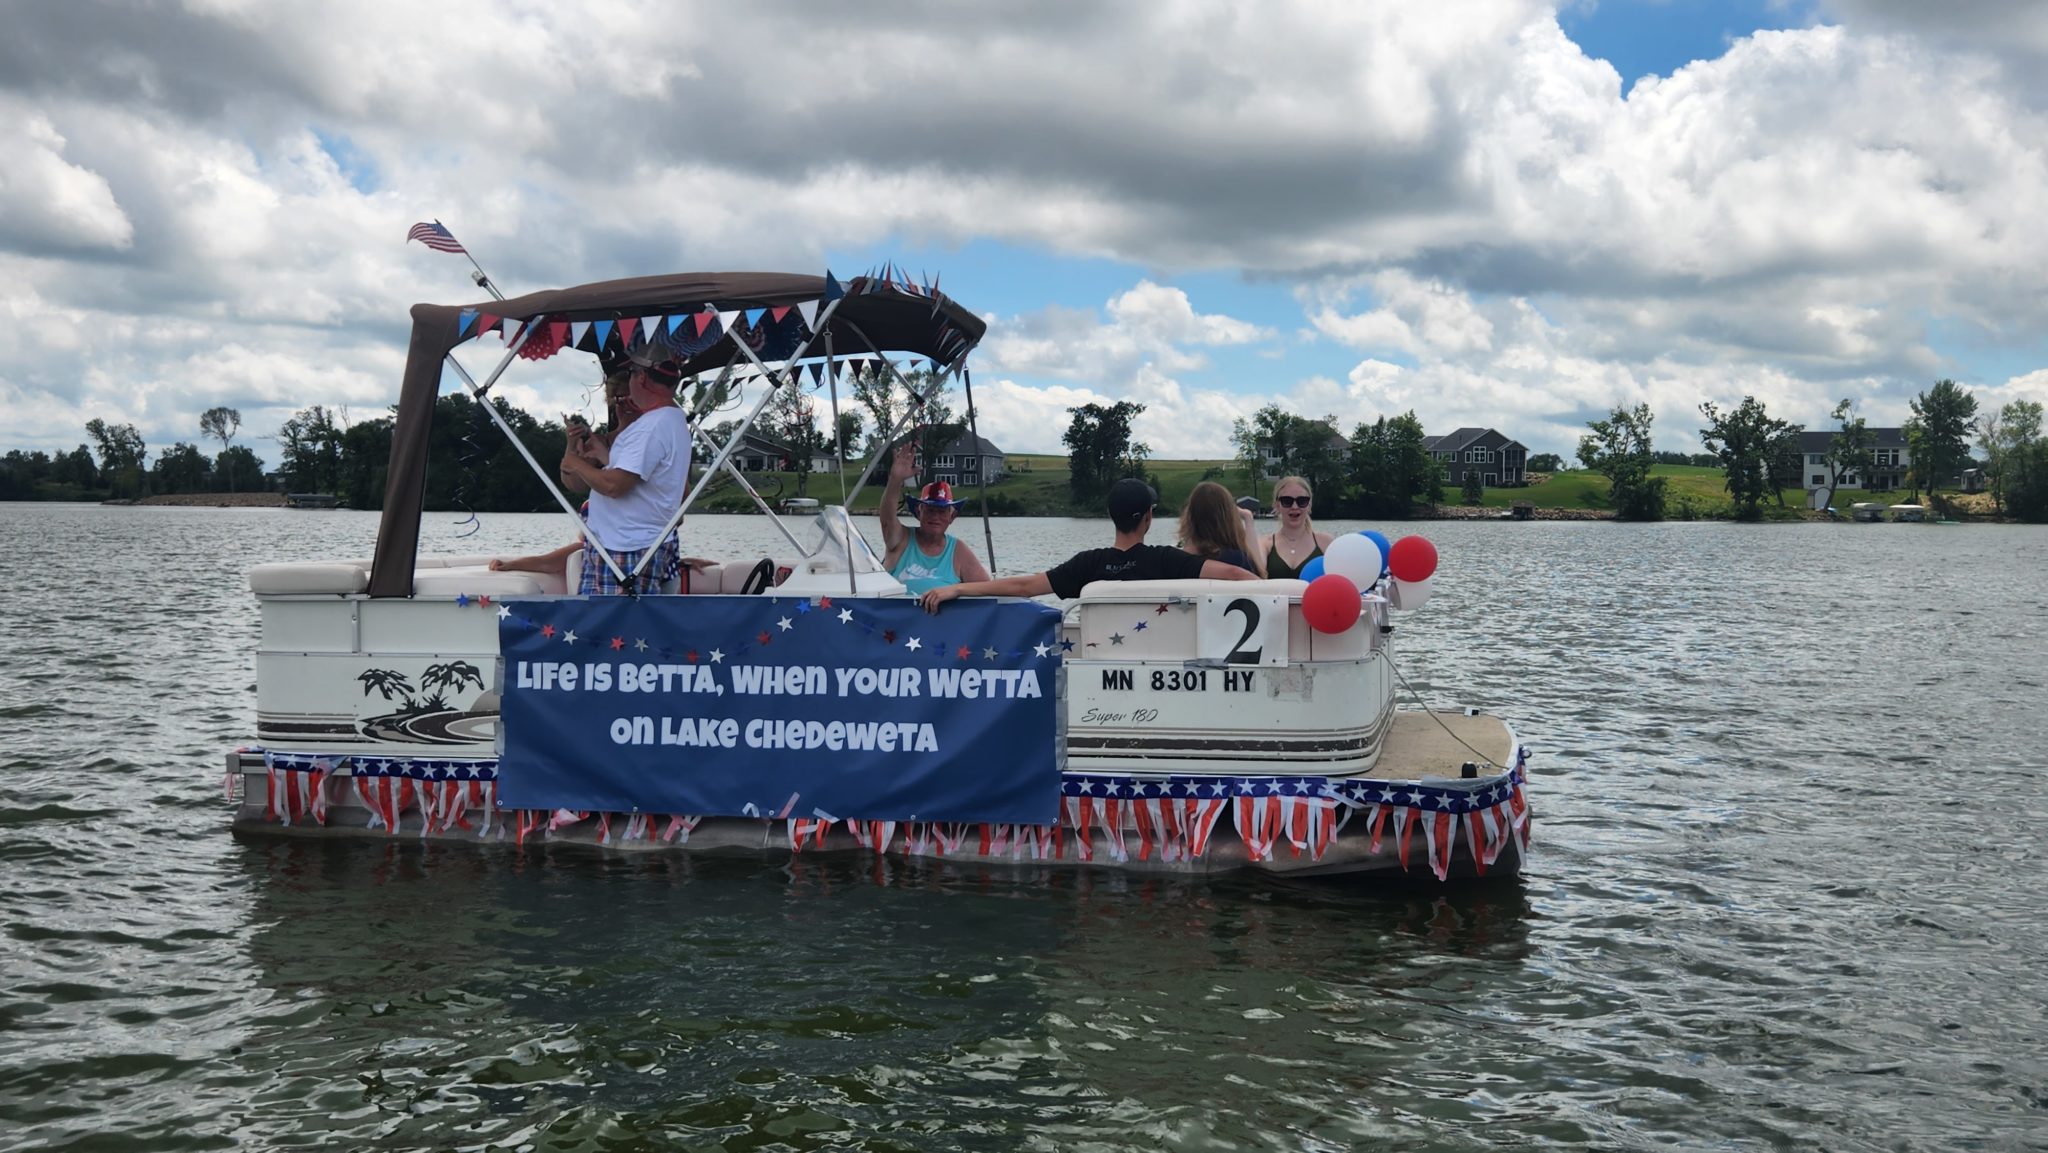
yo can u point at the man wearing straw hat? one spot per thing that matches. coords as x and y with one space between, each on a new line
926 557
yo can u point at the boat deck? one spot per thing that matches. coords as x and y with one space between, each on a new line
1417 746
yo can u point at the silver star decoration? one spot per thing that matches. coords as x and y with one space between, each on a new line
717 656
913 644
1040 650
640 644
784 624
988 654
504 611
846 616
1116 638
569 638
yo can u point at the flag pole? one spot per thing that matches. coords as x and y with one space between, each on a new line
482 278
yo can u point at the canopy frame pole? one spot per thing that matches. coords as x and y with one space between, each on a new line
582 526
824 321
839 461
988 535
938 385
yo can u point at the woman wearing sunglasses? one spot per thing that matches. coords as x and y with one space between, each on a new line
1296 542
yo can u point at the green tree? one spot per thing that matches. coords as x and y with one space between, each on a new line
1851 452
792 418
1474 488
1392 468
366 458
1546 462
182 468
75 468
2008 438
239 468
1618 448
220 423
1745 440
1250 459
310 443
1938 435
122 452
1100 451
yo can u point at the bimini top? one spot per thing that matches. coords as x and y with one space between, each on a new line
696 314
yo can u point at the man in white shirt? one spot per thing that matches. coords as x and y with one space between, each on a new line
635 483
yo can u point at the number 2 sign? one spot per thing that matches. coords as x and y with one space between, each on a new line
1242 630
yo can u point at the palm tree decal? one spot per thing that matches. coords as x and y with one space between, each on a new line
388 682
449 678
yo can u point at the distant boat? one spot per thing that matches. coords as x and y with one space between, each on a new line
1907 513
1866 511
796 505
311 500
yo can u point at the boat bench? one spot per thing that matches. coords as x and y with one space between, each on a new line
1156 620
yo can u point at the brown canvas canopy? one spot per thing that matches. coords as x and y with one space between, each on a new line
890 319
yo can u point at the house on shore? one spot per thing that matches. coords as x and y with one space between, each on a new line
1500 460
1892 459
968 459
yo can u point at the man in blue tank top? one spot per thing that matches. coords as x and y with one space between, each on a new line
926 557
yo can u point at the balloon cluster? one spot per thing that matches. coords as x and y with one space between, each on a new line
1358 561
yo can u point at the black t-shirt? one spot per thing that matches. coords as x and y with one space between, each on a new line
1144 562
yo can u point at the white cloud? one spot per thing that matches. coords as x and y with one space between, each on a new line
1150 325
1460 195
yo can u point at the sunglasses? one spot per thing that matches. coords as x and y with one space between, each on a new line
1292 501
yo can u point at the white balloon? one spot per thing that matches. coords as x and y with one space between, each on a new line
1407 594
1356 558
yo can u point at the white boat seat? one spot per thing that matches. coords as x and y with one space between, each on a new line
1122 621
475 580
308 577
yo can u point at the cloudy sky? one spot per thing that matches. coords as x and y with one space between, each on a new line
1492 212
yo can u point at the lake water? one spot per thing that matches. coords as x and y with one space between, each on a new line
1786 893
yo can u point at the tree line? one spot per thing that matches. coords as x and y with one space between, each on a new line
1381 470
1761 455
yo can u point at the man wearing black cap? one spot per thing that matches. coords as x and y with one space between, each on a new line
636 481
1130 559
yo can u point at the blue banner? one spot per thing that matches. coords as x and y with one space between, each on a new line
781 707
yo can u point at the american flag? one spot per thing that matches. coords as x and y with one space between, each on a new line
431 234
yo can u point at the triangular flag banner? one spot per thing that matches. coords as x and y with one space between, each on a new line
604 332
754 317
627 327
832 289
485 322
817 373
776 314
463 322
558 332
648 326
576 331
676 321
704 320
725 319
809 311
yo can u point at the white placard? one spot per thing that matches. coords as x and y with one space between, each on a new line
1242 630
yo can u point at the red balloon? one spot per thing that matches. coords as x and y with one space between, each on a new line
1412 558
1330 603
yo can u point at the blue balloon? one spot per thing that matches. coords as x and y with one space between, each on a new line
1313 569
1386 546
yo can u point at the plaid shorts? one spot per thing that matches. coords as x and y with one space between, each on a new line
599 581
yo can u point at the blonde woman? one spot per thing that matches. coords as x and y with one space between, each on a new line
1296 541
1212 527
